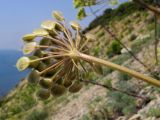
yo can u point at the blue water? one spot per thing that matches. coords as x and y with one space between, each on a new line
9 75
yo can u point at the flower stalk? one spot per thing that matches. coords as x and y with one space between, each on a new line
119 68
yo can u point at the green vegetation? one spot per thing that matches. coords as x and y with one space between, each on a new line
85 117
37 115
22 101
113 49
121 103
123 11
138 44
121 58
96 50
124 77
154 112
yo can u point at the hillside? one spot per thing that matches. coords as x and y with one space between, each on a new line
135 28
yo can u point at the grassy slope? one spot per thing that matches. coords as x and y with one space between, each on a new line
21 103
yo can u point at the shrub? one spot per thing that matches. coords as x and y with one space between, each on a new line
124 84
114 48
27 100
123 77
154 112
121 103
140 43
107 71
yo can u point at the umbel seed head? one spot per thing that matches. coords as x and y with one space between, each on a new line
53 57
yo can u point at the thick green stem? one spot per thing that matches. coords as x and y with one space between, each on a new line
119 68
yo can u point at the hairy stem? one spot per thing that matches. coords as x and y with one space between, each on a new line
119 68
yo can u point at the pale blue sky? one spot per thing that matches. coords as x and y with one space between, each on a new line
19 17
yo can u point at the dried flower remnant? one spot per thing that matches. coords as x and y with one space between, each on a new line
57 59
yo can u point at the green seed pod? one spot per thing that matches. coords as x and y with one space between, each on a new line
43 94
29 37
49 61
59 26
45 42
75 25
39 53
45 83
58 90
40 32
41 66
34 64
33 77
50 73
59 80
75 87
67 83
23 63
58 16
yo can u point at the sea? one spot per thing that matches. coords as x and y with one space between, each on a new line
9 75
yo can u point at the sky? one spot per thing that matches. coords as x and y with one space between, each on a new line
19 17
